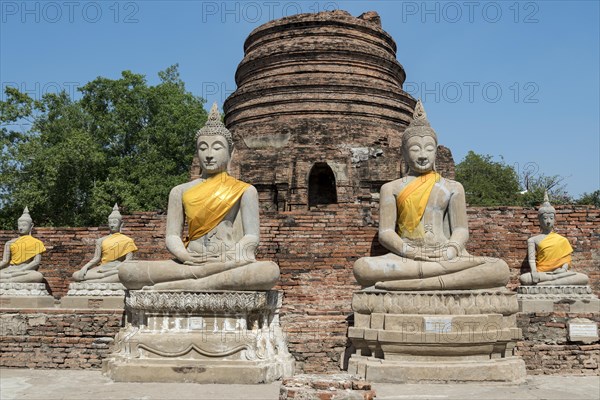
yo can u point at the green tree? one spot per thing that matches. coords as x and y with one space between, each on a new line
124 141
487 182
592 199
535 184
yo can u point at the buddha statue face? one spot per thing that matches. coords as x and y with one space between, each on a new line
419 153
547 221
24 226
213 153
114 224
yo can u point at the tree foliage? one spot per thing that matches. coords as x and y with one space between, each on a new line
124 141
487 182
535 185
494 183
592 199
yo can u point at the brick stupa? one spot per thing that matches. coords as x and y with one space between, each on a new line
319 111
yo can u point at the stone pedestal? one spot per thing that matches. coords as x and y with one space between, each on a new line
435 336
202 337
94 295
25 295
547 298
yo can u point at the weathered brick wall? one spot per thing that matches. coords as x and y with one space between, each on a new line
545 348
57 338
316 250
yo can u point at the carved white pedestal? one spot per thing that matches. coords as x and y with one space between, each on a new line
94 295
25 295
562 298
435 336
202 337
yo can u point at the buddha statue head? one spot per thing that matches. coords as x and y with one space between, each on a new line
25 223
546 214
214 144
115 220
419 143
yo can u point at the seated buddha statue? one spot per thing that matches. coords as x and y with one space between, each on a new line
218 252
111 251
549 254
22 255
423 223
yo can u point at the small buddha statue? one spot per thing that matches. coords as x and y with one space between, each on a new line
423 223
549 254
111 251
218 252
22 256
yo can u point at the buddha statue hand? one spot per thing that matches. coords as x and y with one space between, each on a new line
80 275
564 268
535 276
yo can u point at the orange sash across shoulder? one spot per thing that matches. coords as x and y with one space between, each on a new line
207 203
412 201
552 252
25 248
116 246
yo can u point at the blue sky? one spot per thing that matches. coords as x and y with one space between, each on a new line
519 80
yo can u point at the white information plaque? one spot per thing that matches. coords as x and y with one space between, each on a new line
577 330
196 323
438 324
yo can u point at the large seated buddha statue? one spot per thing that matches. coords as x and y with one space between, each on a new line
549 254
218 252
22 255
111 251
423 223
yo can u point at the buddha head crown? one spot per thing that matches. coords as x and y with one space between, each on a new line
419 126
25 216
546 207
115 213
214 126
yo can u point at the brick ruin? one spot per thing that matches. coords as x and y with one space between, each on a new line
317 120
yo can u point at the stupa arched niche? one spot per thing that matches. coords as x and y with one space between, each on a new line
321 185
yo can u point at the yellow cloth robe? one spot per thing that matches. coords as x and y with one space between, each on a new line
116 246
25 248
207 203
411 203
552 252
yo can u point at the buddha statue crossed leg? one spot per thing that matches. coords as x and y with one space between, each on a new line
110 252
223 221
423 222
22 255
549 254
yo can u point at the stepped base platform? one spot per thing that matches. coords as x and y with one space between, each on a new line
436 336
94 295
25 295
551 298
201 337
